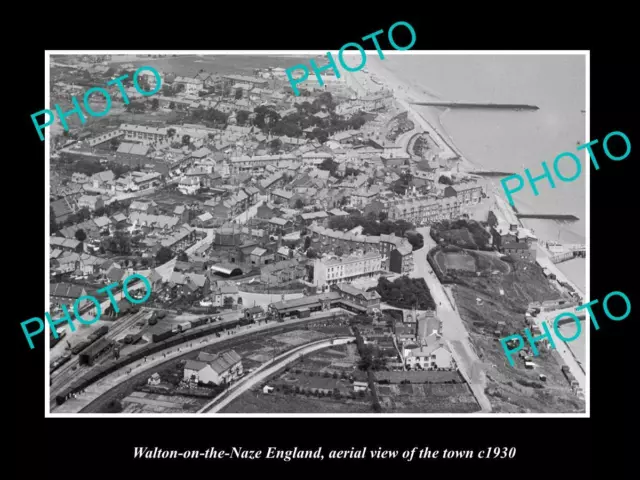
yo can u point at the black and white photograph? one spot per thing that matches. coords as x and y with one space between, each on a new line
293 233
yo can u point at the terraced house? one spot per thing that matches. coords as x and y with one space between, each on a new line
424 211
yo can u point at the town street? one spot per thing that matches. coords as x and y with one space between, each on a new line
250 212
453 328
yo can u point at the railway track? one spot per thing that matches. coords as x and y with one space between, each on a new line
94 405
72 370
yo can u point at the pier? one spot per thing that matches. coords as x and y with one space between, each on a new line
504 106
548 216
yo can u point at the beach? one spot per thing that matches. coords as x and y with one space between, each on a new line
503 140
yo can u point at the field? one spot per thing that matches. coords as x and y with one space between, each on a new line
318 383
421 398
258 402
420 377
453 263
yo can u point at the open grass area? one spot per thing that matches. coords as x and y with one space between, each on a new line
258 402
455 261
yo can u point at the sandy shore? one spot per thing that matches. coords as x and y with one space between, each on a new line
426 117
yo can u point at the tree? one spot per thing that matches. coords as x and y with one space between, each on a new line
172 106
186 139
155 104
242 117
330 165
445 180
307 243
80 235
164 255
415 239
171 132
228 302
311 253
299 204
238 94
275 144
136 107
183 257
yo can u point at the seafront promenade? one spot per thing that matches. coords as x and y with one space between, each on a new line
402 96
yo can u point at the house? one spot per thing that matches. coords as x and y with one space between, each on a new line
255 314
280 226
221 290
191 85
260 256
214 369
401 259
436 355
360 386
347 291
519 250
464 193
154 380
92 202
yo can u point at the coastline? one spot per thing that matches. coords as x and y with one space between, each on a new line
428 118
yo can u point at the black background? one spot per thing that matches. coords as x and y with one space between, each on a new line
546 447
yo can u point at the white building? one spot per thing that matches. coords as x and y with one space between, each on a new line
217 369
332 269
191 85
436 355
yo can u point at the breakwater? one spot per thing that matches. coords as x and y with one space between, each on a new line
506 106
491 174
548 216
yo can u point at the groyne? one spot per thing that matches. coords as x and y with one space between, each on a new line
548 216
506 106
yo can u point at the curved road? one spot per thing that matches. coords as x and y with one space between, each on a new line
268 369
104 385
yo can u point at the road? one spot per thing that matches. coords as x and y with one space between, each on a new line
453 329
101 387
250 212
266 370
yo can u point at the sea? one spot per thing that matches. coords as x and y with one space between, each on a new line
510 141
500 140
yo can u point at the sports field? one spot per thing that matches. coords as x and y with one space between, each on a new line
455 261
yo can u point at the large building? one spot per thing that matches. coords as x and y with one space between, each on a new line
144 134
424 211
370 300
325 239
332 269
470 193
